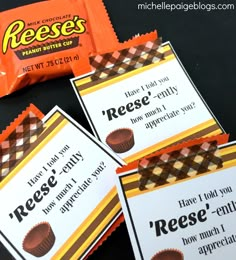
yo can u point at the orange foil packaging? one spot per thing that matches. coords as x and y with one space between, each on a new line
41 40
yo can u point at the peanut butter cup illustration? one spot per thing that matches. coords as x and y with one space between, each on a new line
39 240
168 254
121 140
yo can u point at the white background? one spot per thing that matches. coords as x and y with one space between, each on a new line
163 204
113 96
17 191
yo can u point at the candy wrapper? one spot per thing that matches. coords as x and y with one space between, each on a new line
41 40
49 174
177 162
119 61
179 203
18 137
148 93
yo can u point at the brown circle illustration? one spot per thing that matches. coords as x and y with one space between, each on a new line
121 140
168 254
39 240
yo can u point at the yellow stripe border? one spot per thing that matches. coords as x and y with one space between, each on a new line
128 179
78 83
176 138
85 225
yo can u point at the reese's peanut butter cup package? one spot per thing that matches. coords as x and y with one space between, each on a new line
39 41
50 181
185 181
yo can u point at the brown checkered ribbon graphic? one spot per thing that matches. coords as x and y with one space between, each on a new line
128 65
13 148
178 165
104 60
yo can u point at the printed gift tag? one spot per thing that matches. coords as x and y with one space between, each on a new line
57 191
144 102
180 203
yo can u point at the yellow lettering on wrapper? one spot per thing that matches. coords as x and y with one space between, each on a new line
15 35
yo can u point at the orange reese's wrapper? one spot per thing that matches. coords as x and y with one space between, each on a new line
41 40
